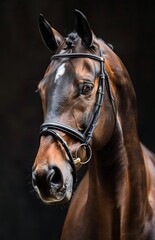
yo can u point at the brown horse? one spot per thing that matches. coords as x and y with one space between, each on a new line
90 115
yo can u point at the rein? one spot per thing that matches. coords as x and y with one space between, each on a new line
86 136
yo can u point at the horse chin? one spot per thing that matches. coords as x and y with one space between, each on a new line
52 201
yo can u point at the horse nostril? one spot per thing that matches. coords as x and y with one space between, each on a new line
46 179
55 178
39 178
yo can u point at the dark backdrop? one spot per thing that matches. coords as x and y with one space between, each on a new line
128 25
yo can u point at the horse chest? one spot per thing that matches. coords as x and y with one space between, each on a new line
90 220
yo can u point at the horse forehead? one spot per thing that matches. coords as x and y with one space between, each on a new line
60 71
83 66
76 66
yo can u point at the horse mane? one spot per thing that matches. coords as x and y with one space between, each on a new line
110 46
73 37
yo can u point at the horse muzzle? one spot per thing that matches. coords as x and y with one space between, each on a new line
50 185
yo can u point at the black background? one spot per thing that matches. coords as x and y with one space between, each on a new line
128 25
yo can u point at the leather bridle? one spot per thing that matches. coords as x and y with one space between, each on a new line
83 137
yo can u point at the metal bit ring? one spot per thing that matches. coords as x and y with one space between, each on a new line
88 151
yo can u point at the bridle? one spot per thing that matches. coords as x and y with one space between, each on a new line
85 137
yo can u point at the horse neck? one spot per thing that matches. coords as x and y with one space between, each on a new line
117 184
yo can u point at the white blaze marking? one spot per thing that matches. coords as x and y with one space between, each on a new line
60 72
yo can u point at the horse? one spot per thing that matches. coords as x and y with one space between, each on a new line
90 117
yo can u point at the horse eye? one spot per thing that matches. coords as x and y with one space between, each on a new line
86 88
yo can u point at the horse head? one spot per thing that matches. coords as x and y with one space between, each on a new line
80 104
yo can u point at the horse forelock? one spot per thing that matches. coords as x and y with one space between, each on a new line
72 39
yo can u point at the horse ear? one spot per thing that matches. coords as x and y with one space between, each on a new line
83 29
50 36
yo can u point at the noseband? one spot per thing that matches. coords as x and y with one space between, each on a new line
86 136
